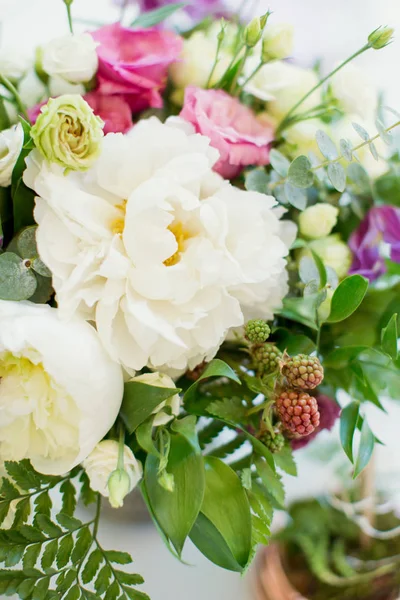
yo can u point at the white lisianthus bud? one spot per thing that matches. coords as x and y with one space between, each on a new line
164 381
13 64
277 42
72 57
380 37
318 221
333 251
102 469
11 142
253 32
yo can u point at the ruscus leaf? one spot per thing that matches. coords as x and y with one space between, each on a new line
348 423
347 298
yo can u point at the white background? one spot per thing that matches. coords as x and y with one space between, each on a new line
332 29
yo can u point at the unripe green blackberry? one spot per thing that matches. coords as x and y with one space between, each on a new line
298 412
274 444
303 371
257 331
266 358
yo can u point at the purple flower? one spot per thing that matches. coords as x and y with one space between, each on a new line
329 412
380 227
197 9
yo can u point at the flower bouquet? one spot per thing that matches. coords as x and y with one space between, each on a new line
199 271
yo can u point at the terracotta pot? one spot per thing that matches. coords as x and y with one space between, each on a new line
270 580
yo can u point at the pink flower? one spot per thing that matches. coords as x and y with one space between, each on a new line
232 128
134 63
113 110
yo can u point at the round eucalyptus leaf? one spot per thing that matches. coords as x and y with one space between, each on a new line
346 149
363 133
39 266
297 197
326 145
26 242
300 174
17 281
385 136
279 162
337 176
257 181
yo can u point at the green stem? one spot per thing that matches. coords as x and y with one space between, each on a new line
216 60
235 89
234 58
284 123
69 15
18 100
97 517
121 447
253 74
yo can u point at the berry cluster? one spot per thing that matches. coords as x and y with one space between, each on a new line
274 442
298 412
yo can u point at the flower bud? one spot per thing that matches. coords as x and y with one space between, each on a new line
380 37
119 486
333 251
253 32
68 133
277 42
318 221
106 478
174 402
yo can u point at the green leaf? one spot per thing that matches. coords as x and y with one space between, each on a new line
17 282
73 594
216 368
177 510
31 555
301 310
206 537
348 424
326 145
390 337
103 580
337 176
284 460
228 409
153 17
323 277
347 298
227 507
68 492
279 162
26 587
68 522
367 443
26 242
346 149
41 589
49 554
257 180
271 481
360 177
363 133
14 555
140 399
300 174
187 428
340 357
43 504
296 196
92 566
82 544
47 526
4 118
129 578
22 474
119 558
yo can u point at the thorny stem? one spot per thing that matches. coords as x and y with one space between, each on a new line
18 100
285 121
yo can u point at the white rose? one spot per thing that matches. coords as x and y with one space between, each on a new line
174 402
318 221
60 87
277 42
13 63
72 57
103 461
334 252
355 92
59 394
162 253
11 142
197 59
282 84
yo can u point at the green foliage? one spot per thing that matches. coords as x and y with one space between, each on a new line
23 198
300 174
140 399
347 298
348 424
390 338
154 17
17 282
366 447
55 557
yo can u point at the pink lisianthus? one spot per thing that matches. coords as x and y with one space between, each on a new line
134 63
233 129
113 110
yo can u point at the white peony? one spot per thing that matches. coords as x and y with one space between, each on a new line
174 402
355 92
103 461
13 63
11 142
72 57
156 248
59 394
282 84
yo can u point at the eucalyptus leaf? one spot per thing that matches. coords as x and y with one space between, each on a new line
176 511
17 282
348 424
26 242
326 145
385 136
363 133
373 150
257 180
39 267
347 298
308 270
296 196
359 175
337 176
154 17
346 149
300 174
315 162
365 450
279 162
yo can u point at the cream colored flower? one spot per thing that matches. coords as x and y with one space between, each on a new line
162 253
13 63
277 42
68 133
334 252
59 394
102 463
11 142
318 221
355 92
72 57
174 402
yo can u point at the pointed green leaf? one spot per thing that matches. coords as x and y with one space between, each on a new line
300 174
326 145
365 450
140 399
390 338
348 423
206 537
347 298
279 162
153 17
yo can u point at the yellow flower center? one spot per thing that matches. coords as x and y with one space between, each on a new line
181 235
118 224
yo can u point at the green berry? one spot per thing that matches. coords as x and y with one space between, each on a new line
257 331
266 358
273 443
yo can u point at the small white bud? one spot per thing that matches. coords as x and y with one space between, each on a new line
318 221
277 42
